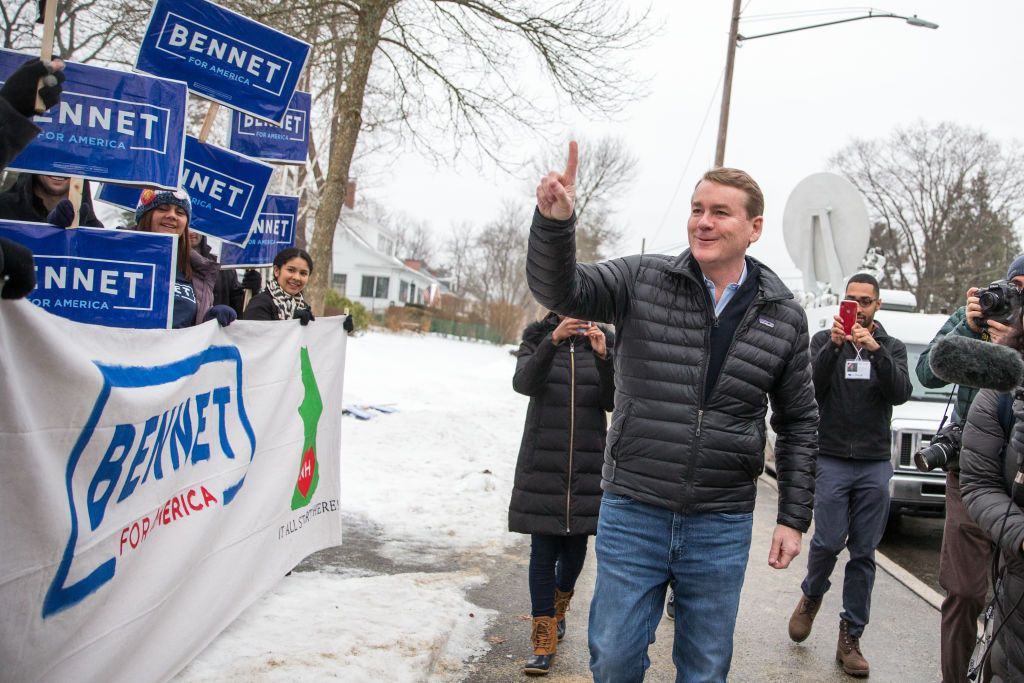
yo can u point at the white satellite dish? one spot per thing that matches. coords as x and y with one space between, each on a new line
826 228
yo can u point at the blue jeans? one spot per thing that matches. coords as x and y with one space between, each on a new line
640 548
851 506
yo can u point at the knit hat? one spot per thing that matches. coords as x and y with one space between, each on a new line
150 199
1016 268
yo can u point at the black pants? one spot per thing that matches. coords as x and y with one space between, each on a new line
555 562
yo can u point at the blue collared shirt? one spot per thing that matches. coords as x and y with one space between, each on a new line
730 289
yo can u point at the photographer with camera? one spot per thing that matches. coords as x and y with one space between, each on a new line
966 550
992 469
859 374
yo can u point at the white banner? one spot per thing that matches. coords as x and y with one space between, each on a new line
154 483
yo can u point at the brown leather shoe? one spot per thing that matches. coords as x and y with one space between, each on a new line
545 643
848 652
561 607
803 618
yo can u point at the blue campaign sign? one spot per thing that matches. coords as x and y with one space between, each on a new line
227 191
116 278
274 231
223 56
287 143
125 196
108 125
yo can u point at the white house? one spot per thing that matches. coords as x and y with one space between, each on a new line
366 269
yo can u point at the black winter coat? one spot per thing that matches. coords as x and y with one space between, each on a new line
261 307
856 414
986 477
20 203
557 487
667 445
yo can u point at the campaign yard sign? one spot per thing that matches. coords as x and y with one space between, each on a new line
108 125
287 143
227 191
274 231
223 56
116 278
156 483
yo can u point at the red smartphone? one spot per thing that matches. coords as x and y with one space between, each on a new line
848 314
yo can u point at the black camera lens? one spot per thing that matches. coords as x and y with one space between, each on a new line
945 446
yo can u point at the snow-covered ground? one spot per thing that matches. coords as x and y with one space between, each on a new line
434 480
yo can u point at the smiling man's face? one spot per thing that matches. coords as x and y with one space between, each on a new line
719 229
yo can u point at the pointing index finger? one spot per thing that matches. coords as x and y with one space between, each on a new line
569 176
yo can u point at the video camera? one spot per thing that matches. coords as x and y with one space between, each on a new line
1000 301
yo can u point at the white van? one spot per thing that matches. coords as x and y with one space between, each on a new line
915 422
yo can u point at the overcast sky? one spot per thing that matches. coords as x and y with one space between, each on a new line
796 99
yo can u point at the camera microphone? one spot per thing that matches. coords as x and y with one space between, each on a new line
17 270
973 363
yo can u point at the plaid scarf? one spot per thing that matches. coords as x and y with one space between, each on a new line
285 302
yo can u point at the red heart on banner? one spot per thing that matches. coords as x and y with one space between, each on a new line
306 472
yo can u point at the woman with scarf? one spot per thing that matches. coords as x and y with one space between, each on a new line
282 298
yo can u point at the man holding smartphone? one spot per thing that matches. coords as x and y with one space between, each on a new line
859 373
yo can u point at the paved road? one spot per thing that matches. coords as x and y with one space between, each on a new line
901 643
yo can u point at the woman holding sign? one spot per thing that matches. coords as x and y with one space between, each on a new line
170 212
282 298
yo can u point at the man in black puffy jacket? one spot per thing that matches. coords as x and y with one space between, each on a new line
703 341
858 377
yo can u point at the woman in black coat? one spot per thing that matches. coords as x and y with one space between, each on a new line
565 367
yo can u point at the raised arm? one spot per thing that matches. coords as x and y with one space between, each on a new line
585 291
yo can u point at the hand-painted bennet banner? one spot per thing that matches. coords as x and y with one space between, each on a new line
274 231
108 125
187 469
116 278
227 191
287 143
223 56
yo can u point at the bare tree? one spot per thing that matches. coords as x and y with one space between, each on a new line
85 30
605 169
459 253
925 188
413 239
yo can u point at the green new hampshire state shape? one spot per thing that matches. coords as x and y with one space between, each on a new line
309 410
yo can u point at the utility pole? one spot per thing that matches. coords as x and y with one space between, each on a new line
730 60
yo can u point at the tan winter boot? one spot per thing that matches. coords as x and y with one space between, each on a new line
803 618
561 607
545 642
848 652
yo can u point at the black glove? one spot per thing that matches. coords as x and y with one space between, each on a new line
64 213
303 315
252 281
348 324
17 270
225 315
20 88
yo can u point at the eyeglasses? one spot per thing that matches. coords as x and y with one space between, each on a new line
862 300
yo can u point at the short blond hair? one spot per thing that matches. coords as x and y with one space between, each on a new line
741 180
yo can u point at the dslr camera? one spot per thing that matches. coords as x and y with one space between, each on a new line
1000 301
945 446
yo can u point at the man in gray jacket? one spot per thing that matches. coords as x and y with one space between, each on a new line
703 341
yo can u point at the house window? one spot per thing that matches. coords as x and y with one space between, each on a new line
403 290
385 245
412 293
339 281
374 287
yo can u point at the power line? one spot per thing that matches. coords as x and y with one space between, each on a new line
686 166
